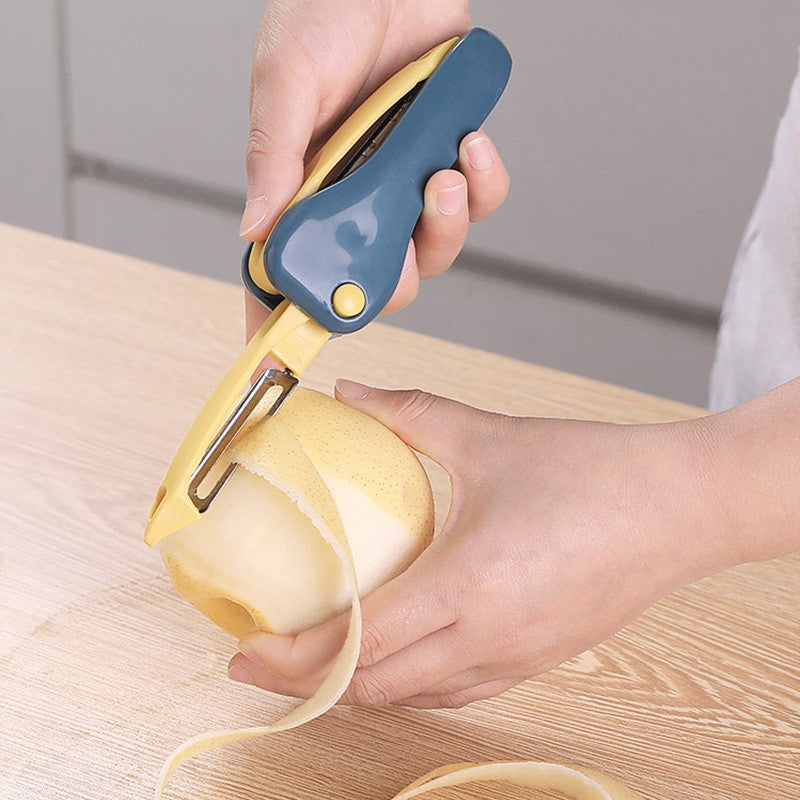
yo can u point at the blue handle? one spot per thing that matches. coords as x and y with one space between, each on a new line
357 229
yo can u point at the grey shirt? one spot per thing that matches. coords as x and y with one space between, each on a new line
758 346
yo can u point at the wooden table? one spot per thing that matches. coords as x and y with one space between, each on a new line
104 670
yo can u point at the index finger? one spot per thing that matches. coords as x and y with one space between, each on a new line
284 104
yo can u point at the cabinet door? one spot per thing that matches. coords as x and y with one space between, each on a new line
163 86
638 135
33 151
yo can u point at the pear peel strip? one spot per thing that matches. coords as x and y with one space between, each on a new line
575 783
331 689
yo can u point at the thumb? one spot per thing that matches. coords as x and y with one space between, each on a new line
283 112
443 429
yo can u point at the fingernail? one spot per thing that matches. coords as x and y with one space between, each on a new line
451 200
255 212
479 154
352 390
238 672
248 651
409 261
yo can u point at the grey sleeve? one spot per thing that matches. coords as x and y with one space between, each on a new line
758 346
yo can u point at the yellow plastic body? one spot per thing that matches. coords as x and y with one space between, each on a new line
348 300
348 135
288 336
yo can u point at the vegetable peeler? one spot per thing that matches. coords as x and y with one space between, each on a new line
334 257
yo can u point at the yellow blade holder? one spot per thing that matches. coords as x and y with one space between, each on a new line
334 257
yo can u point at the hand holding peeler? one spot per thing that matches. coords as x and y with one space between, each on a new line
334 257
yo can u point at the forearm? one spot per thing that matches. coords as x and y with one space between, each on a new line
750 473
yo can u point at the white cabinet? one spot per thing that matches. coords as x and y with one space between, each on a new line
33 163
179 233
163 86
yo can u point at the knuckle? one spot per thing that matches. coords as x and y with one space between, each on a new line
415 404
373 647
434 261
449 241
259 142
272 32
368 690
454 700
485 579
281 660
259 67
449 601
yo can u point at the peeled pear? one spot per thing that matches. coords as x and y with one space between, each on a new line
325 505
261 558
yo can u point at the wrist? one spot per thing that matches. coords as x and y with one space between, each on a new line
744 465
712 531
675 505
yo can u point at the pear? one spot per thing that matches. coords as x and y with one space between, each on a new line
316 475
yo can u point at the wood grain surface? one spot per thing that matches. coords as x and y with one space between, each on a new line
104 670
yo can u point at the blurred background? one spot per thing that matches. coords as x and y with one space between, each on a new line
637 134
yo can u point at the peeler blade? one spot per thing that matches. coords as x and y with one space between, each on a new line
270 378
